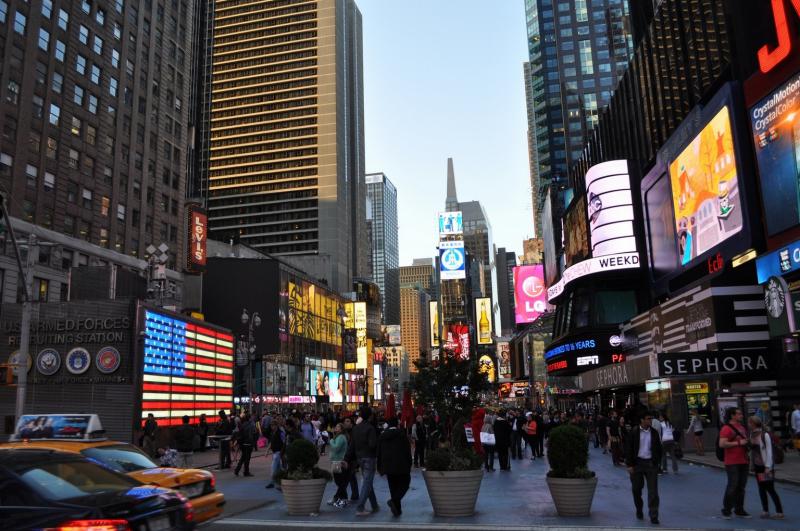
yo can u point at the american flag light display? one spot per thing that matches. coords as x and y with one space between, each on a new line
188 370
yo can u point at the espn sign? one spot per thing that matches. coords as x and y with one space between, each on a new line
196 255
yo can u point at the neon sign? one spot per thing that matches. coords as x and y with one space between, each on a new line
769 59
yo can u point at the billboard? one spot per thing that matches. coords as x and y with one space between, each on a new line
456 340
486 366
450 223
530 295
705 190
377 381
433 317
504 360
197 238
326 383
483 318
610 208
776 134
576 244
452 260
360 321
187 369
391 335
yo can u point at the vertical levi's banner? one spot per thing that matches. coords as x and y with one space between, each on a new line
187 370
197 239
483 318
434 322
530 295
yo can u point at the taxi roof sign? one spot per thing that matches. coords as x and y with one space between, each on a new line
62 426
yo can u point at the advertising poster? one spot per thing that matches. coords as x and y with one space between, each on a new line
52 426
457 340
530 295
486 366
450 223
483 316
377 381
452 260
349 347
705 190
360 319
576 236
776 135
434 322
327 383
504 360
610 208
391 335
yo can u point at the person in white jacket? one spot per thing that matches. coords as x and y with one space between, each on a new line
764 467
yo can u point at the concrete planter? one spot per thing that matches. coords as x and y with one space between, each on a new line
303 496
573 497
453 493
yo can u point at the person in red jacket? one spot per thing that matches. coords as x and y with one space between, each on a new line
477 423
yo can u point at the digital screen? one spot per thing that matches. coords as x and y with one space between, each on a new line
327 383
456 340
452 260
450 223
530 295
610 208
576 236
776 136
433 317
377 382
660 227
188 369
52 427
705 190
486 366
483 318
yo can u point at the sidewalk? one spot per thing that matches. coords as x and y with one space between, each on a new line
788 472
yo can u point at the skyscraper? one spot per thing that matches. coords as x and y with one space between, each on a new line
284 133
382 221
414 325
506 261
577 50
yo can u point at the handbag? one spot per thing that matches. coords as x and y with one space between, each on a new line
487 438
337 467
262 442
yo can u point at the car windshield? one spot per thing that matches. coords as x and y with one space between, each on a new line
73 479
122 457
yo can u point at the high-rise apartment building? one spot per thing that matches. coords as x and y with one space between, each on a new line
506 261
414 324
94 107
422 274
383 228
577 50
282 146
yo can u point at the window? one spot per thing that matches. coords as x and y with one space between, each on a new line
47 8
38 106
19 23
86 6
105 204
76 126
119 5
74 159
72 192
83 34
100 16
84 230
58 83
41 287
44 39
61 51
98 45
612 307
49 181
63 19
117 31
104 237
91 134
80 64
52 148
3 11
92 104
31 175
78 97
112 86
55 114
35 141
115 58
87 198
95 74
585 54
121 212
12 94
174 207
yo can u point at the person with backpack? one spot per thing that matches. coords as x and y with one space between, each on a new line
733 444
763 456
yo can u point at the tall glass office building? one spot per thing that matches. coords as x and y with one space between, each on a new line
382 225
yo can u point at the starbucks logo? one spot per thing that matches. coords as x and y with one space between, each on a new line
774 297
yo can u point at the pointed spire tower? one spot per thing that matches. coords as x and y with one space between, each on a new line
451 203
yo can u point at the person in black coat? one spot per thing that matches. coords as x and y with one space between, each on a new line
224 429
502 438
643 456
394 461
184 443
246 438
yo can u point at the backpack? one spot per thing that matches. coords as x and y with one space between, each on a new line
720 451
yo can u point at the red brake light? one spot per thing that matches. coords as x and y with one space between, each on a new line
94 525
189 512
213 482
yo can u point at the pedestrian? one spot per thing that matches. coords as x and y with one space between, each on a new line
696 429
602 431
796 426
419 433
642 456
224 429
488 441
502 436
531 428
339 466
352 462
516 421
276 437
394 461
614 439
307 429
202 432
538 438
365 445
246 439
184 443
668 443
764 467
149 436
734 441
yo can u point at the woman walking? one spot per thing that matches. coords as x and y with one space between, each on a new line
488 441
668 443
696 429
339 466
764 467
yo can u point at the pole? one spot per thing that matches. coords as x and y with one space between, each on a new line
25 328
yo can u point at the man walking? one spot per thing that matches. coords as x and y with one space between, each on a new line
514 419
502 438
420 436
365 446
394 460
224 431
149 435
184 443
642 455
733 439
246 438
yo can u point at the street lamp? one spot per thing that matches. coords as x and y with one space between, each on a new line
246 351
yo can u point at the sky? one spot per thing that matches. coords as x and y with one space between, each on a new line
444 78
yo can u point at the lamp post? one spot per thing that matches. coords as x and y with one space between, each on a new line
251 324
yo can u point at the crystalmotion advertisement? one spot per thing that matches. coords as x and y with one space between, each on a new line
530 293
452 260
775 122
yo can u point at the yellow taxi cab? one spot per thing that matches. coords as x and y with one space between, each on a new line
79 434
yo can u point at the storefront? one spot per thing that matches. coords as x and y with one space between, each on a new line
616 387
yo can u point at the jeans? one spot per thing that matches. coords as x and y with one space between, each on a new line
247 450
185 459
516 445
488 456
225 453
768 487
645 471
398 486
367 465
419 454
502 456
734 492
669 448
538 445
276 466
341 479
353 480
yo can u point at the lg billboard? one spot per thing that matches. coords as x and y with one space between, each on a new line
530 293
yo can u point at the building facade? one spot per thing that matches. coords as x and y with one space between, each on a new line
414 322
385 255
284 133
506 261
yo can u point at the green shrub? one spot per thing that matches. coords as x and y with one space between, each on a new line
568 453
447 460
301 463
438 460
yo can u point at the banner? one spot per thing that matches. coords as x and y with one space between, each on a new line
483 318
504 360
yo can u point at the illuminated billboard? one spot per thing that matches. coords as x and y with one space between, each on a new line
610 208
450 223
187 369
456 340
360 321
197 238
705 190
486 366
530 295
377 381
327 383
503 360
776 135
433 318
391 334
576 236
483 318
452 260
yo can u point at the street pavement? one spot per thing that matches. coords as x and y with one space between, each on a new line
518 499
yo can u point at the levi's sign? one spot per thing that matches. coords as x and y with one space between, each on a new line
691 363
592 266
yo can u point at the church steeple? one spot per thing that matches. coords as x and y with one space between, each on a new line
451 203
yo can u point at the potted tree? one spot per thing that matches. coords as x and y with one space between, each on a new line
302 483
571 483
453 473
